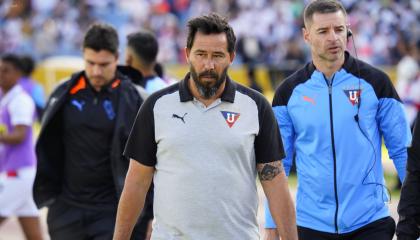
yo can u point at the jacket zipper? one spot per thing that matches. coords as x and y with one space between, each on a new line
329 83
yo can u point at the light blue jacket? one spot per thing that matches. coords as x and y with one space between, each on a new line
336 137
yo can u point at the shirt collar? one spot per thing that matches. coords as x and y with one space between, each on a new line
109 87
228 94
347 65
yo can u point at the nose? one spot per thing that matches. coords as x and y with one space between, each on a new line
209 64
332 36
97 70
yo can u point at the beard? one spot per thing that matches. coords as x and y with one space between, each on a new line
208 89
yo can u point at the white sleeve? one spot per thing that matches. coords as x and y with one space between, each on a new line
21 110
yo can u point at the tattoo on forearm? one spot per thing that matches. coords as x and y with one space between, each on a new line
268 171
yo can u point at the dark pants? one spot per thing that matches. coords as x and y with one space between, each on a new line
382 229
68 222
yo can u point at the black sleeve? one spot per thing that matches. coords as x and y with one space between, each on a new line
285 89
382 84
409 205
268 144
141 145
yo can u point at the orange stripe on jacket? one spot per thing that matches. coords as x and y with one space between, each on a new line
116 83
81 84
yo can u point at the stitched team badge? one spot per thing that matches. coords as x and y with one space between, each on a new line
353 95
230 117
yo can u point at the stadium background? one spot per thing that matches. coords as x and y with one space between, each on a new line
269 46
268 32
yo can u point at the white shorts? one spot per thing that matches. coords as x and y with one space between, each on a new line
16 193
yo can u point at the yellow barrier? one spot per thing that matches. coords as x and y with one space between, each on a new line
51 71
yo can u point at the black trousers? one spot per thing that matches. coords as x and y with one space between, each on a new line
382 229
69 222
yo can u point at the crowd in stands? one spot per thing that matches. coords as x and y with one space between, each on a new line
269 31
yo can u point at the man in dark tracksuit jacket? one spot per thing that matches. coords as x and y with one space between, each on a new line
408 227
50 152
81 170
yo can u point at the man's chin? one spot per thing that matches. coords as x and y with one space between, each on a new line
208 81
332 57
208 84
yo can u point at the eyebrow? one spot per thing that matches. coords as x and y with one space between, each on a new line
203 51
325 28
98 63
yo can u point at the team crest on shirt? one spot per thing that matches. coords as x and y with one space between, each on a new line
230 117
353 95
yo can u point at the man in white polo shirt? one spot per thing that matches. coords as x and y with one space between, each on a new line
203 141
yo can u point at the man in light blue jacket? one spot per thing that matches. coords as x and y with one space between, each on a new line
333 114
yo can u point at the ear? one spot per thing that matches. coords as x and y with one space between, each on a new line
306 37
349 34
128 59
187 54
232 57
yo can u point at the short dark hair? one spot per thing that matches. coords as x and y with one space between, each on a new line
321 6
145 46
14 60
28 64
101 36
160 71
208 24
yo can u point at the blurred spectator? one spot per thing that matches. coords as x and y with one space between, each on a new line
49 27
408 76
408 79
250 49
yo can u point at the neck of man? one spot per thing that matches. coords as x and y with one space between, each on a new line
146 71
6 89
98 87
328 68
206 101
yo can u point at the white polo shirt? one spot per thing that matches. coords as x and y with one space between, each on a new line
205 160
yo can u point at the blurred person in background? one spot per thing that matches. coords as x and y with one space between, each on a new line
17 155
408 227
408 78
34 89
250 48
333 114
142 50
85 125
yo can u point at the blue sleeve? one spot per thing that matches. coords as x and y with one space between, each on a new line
287 135
396 132
38 96
155 85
